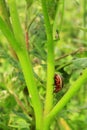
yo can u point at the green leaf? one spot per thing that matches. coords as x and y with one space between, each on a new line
77 64
83 29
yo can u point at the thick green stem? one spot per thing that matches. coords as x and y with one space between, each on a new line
56 24
50 60
30 81
27 71
18 43
16 26
46 123
9 35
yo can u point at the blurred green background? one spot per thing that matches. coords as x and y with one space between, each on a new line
70 42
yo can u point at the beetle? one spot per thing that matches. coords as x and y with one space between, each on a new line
58 82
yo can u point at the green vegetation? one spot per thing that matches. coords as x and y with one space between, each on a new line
38 39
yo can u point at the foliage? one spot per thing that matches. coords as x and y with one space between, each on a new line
43 38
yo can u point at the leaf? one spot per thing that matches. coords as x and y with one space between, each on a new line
18 122
38 38
83 29
77 64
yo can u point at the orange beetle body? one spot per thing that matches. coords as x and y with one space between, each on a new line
58 83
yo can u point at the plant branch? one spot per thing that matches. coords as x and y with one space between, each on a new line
17 29
55 24
18 101
81 49
31 85
50 59
9 35
18 45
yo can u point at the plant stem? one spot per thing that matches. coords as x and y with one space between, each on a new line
18 45
27 71
9 35
55 24
50 60
16 26
30 81
25 60
79 50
